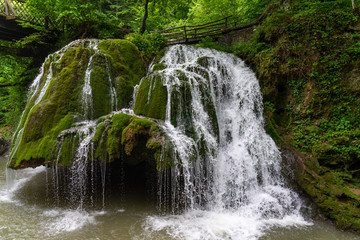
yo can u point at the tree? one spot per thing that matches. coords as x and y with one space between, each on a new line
143 25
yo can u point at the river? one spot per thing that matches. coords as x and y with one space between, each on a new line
26 213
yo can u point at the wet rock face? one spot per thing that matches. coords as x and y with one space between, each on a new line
4 146
337 201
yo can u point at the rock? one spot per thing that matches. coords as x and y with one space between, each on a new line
50 111
325 188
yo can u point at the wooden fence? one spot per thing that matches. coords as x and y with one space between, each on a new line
190 34
215 29
17 9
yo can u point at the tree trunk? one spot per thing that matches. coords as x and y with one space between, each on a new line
353 4
143 25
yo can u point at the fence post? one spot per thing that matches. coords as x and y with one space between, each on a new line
185 37
6 8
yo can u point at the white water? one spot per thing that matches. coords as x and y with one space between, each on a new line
113 95
79 168
234 190
87 98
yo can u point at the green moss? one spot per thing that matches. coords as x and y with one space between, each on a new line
328 191
126 66
136 126
51 115
153 106
101 119
119 122
98 133
181 107
153 145
271 130
100 142
67 150
101 88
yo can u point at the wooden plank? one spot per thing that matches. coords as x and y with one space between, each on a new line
208 27
207 33
165 30
6 8
185 36
169 34
10 7
211 27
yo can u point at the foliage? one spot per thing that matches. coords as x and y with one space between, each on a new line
80 18
150 44
112 19
15 74
242 10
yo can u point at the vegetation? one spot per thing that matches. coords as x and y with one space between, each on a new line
15 74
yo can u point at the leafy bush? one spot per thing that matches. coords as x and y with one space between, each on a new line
150 44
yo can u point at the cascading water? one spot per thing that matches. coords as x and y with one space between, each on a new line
113 95
79 168
86 100
87 96
226 171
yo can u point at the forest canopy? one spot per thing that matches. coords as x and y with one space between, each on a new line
104 18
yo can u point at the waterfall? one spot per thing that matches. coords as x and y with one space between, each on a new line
80 166
113 95
219 173
87 95
87 98
227 164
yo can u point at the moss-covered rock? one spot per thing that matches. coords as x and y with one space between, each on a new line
128 138
151 99
326 188
57 104
126 67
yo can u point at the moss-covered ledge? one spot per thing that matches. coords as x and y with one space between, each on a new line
128 138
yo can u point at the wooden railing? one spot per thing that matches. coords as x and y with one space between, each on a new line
17 9
188 34
215 29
